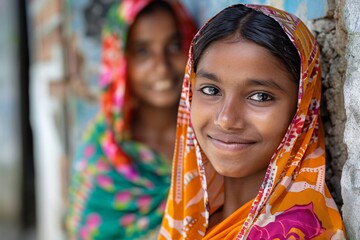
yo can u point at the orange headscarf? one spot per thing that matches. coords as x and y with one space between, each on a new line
293 201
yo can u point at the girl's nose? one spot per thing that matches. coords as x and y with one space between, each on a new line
229 115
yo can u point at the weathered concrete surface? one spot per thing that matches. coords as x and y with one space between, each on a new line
350 181
330 36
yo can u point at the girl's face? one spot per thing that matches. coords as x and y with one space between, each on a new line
243 102
156 60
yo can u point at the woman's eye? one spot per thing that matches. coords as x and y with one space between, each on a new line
141 52
212 91
174 47
261 97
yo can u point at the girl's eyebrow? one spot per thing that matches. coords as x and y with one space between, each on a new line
265 82
251 82
211 76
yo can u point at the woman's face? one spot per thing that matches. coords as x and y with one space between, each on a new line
156 60
243 102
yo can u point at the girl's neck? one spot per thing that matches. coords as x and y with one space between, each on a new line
155 127
239 191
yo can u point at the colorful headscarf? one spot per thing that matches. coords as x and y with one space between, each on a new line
293 200
119 186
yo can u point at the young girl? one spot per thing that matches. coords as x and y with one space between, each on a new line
122 173
249 158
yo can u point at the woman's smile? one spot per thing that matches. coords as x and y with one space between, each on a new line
162 85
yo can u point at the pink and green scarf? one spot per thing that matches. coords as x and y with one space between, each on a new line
119 186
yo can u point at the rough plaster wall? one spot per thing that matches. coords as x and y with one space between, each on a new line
350 181
329 35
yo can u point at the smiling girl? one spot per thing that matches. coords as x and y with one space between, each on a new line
250 158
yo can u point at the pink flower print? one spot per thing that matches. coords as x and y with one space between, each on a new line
105 76
90 228
127 220
123 197
143 223
298 222
143 203
119 96
315 135
146 155
89 151
293 132
298 124
312 114
106 183
93 220
128 172
102 166
109 147
122 200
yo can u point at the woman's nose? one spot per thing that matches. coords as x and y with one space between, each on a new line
162 63
230 115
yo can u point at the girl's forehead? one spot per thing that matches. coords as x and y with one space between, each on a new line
235 62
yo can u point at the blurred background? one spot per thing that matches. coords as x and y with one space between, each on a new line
49 65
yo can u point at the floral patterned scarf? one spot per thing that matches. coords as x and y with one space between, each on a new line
119 186
293 200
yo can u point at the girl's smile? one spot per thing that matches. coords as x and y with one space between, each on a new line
243 102
230 142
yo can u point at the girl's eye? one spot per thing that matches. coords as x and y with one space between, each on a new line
261 97
211 91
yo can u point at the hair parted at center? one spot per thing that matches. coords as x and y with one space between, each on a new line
244 23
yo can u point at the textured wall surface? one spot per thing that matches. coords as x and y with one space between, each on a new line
350 181
330 34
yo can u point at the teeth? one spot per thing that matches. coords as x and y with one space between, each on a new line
162 85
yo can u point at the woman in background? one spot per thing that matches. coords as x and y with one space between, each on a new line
249 161
121 173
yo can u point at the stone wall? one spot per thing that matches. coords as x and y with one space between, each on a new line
331 37
350 182
339 36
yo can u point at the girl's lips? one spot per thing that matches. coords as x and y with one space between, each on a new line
230 143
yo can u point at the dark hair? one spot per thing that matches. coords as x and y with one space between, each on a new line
253 26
